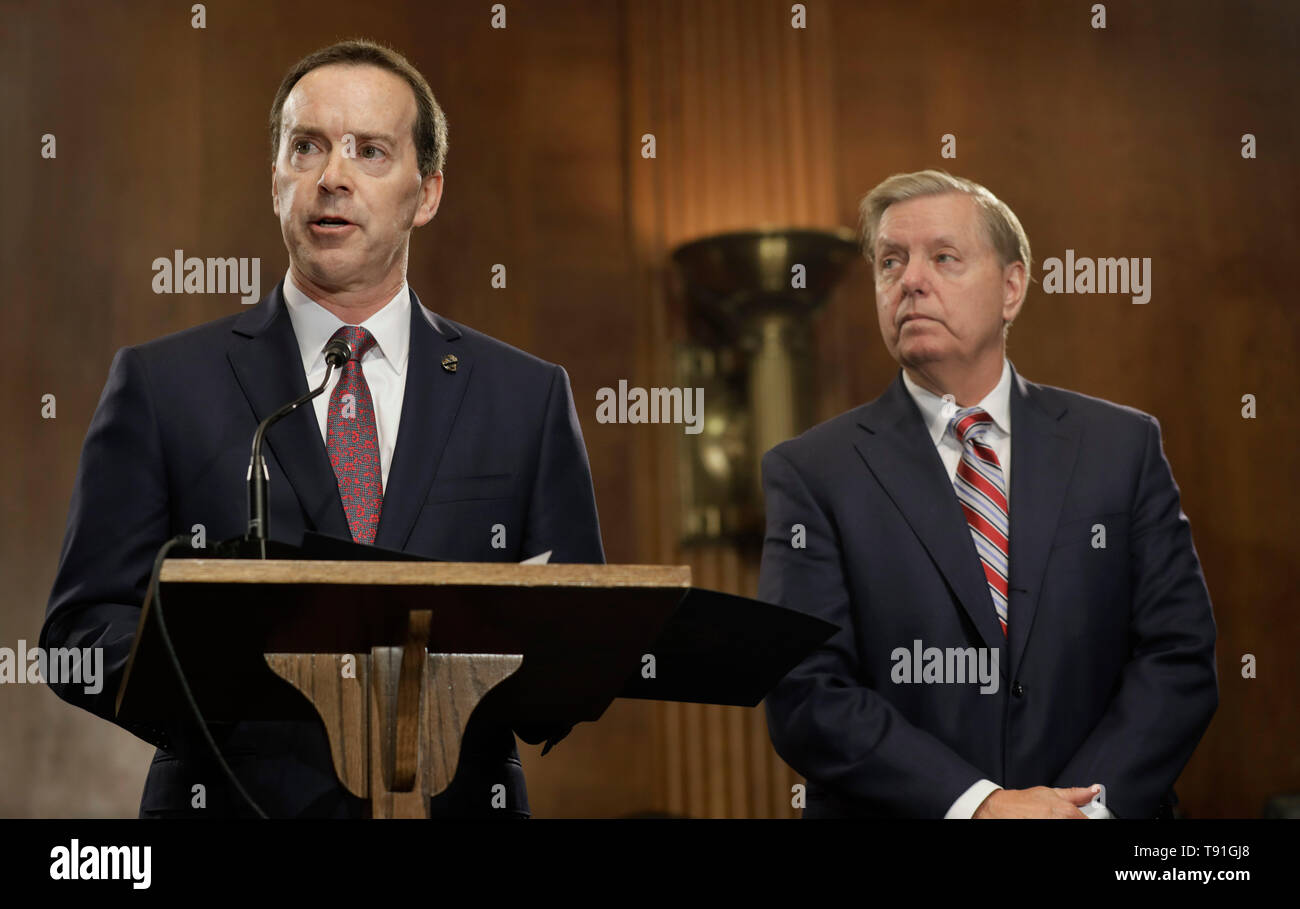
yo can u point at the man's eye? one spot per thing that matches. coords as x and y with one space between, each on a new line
298 146
884 263
372 148
946 256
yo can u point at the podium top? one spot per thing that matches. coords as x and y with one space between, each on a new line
434 574
581 627
583 630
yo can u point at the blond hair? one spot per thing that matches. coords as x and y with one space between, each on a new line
1001 225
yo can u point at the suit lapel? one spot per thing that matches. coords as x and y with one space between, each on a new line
429 406
268 366
1043 451
900 453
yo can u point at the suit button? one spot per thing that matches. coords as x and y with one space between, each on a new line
1017 689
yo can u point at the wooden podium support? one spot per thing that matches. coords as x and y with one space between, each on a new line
395 728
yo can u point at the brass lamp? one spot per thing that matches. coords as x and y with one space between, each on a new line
750 297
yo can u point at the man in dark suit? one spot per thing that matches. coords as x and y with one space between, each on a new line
1017 635
434 439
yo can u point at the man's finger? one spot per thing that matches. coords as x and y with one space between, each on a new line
1079 795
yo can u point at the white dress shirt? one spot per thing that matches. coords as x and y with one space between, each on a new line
936 412
384 364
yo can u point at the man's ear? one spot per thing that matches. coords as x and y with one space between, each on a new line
1014 290
275 197
430 199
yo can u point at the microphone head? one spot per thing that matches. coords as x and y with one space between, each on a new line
337 352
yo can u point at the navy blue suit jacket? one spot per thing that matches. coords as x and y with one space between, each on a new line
495 442
1108 673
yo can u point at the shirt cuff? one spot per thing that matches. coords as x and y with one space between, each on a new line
969 801
1096 810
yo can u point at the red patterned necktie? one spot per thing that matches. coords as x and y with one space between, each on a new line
352 440
982 492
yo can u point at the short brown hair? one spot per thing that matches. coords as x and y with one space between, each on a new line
1001 225
430 131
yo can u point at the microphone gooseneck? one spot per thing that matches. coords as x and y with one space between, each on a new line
337 352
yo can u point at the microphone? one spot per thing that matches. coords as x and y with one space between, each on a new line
337 352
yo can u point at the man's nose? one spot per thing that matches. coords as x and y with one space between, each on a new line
914 279
336 177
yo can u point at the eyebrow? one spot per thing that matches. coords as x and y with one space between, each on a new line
885 244
309 130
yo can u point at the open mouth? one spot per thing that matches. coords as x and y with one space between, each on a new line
331 226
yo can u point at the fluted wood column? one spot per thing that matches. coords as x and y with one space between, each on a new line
739 103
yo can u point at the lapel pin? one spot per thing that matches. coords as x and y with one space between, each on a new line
450 362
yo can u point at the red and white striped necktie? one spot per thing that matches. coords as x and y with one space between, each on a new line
982 491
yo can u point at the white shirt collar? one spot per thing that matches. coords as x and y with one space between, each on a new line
997 403
314 325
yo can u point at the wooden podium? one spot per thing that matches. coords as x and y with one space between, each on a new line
393 657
